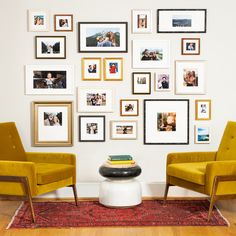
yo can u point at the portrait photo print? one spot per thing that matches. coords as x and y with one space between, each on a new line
166 121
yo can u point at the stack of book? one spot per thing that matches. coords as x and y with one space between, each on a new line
116 160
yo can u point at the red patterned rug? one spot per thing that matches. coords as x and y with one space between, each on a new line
91 213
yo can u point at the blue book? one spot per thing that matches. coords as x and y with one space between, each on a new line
120 158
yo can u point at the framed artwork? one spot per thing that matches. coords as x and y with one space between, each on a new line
63 22
95 99
92 129
202 134
141 83
141 21
181 20
129 107
49 79
190 77
38 20
166 121
91 68
50 47
203 109
151 53
113 69
52 124
103 37
190 46
162 82
123 129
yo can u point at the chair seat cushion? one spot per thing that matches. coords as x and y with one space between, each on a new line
50 172
193 172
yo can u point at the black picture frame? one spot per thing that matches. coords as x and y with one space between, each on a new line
149 87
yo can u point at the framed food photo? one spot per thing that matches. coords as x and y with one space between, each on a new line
166 121
53 123
181 20
63 22
190 77
113 69
190 46
129 107
92 129
141 83
141 21
49 79
95 99
162 82
91 69
151 54
103 37
203 109
38 20
202 134
123 130
50 47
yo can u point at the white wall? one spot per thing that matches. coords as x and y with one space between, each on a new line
217 48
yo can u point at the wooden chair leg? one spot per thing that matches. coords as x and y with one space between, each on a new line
75 194
166 192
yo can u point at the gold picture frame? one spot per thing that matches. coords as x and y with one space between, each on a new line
113 69
203 109
88 71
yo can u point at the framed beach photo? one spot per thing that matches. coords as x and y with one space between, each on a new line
203 109
53 124
141 83
113 69
38 20
91 68
92 129
190 77
123 130
49 79
103 37
202 134
141 21
181 20
151 53
166 121
190 46
162 82
50 47
129 107
63 22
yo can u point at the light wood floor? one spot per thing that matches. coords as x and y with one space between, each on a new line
7 209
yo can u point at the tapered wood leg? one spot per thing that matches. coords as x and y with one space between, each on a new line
75 194
166 192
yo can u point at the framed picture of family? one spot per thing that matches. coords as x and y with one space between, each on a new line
95 99
50 47
190 46
38 20
202 134
166 121
103 37
141 83
151 53
141 21
113 69
52 123
92 129
122 130
162 82
203 109
181 20
129 107
63 22
91 68
190 77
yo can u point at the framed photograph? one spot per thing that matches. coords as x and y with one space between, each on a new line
129 107
38 20
181 20
141 83
50 47
49 79
202 109
113 69
63 22
123 129
53 124
91 69
92 129
95 99
103 37
190 46
162 82
202 134
141 21
151 54
166 121
190 77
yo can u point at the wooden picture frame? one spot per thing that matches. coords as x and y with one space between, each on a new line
141 83
190 46
91 68
63 23
113 69
203 109
38 20
129 107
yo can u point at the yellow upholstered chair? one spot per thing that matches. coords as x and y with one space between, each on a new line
211 173
25 175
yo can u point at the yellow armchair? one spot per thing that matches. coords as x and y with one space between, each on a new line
25 175
211 173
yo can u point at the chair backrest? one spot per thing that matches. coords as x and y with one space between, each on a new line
227 148
11 147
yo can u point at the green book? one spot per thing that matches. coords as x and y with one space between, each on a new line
120 158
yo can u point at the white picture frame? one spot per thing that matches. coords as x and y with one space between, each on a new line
202 134
38 20
162 81
142 21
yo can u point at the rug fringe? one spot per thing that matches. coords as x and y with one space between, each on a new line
13 218
228 223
